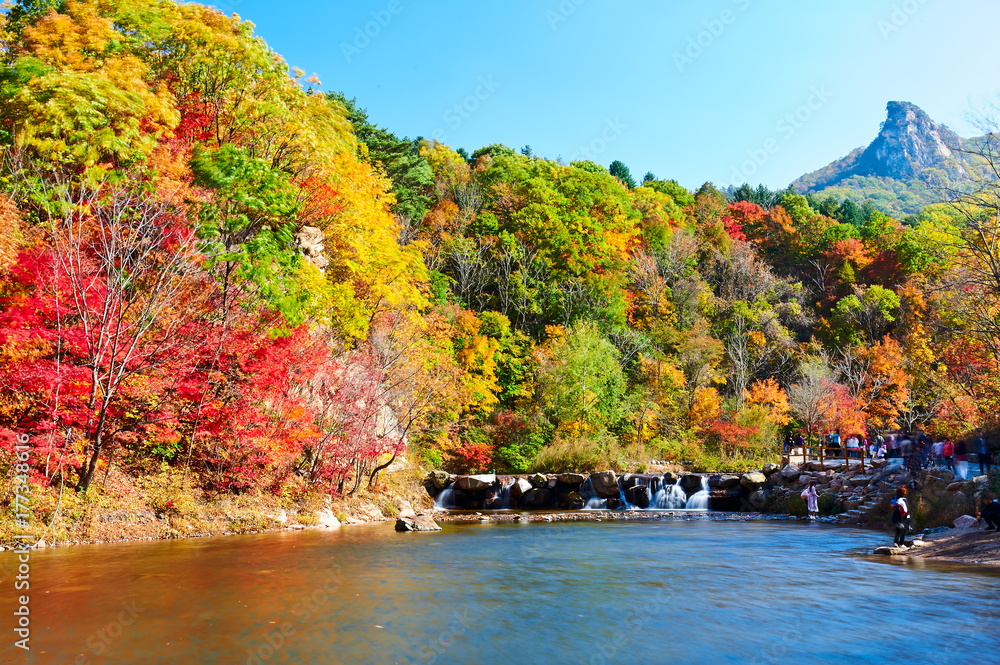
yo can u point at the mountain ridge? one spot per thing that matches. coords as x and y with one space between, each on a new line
902 170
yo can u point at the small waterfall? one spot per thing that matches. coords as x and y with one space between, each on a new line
670 497
590 498
445 500
699 500
596 503
655 485
506 484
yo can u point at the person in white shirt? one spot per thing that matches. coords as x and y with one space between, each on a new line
812 500
900 516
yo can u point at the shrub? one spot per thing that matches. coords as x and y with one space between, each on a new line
592 452
797 506
166 495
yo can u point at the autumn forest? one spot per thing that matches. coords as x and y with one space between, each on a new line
211 269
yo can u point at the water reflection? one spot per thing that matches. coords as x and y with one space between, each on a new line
661 592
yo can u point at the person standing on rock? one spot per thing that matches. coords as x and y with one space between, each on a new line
900 516
812 500
948 452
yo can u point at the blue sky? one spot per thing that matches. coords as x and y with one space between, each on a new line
721 91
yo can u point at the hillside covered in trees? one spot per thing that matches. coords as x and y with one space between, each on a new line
214 270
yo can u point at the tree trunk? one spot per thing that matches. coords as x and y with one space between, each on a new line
91 466
95 454
371 478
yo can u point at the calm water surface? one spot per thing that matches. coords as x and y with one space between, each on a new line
596 592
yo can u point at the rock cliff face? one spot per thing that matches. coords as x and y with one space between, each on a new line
910 156
910 142
311 243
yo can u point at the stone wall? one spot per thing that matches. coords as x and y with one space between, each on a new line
848 494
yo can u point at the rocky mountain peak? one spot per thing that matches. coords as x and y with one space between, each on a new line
901 169
909 142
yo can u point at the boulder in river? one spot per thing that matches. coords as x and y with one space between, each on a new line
538 480
605 484
615 503
475 483
572 478
492 502
571 501
891 551
770 469
725 499
669 478
326 518
638 495
519 487
417 523
753 481
440 479
691 483
758 499
536 497
723 481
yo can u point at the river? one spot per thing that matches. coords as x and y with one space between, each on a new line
670 591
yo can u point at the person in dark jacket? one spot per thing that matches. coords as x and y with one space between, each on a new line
900 516
983 453
990 512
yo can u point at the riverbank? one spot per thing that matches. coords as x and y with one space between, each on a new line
125 508
967 545
978 547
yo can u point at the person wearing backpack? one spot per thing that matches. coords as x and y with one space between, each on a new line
900 516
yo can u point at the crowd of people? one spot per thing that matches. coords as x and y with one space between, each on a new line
917 449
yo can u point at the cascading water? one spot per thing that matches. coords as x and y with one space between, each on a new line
621 497
445 500
662 496
505 492
590 498
670 497
699 500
